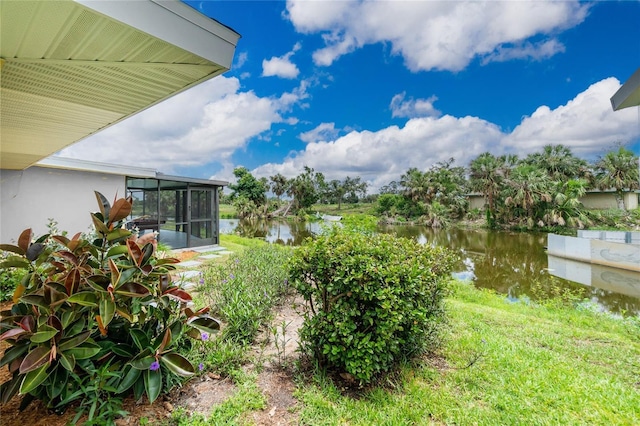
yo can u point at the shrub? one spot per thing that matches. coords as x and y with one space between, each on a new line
373 299
104 308
243 290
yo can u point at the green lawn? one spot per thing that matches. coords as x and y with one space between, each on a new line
534 366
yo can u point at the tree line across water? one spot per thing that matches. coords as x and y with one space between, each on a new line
542 189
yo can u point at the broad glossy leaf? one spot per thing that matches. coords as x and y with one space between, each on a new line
147 252
44 334
101 228
121 209
72 281
177 364
54 294
134 252
178 294
139 338
34 299
101 327
130 377
10 388
74 341
76 327
204 323
28 323
84 351
126 273
124 313
12 334
13 353
124 350
68 361
165 340
35 359
61 239
115 273
152 384
84 298
33 379
132 289
24 240
103 204
18 292
58 381
107 311
34 251
117 251
12 249
118 234
68 256
14 262
99 282
142 363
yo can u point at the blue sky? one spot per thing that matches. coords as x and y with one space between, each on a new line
372 89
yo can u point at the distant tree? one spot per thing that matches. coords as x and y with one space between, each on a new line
486 175
618 170
305 188
559 162
392 187
247 186
528 189
279 184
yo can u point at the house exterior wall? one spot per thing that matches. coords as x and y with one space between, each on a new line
591 200
28 198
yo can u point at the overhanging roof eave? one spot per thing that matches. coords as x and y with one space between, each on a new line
629 93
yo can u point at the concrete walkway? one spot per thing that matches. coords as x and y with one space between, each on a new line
187 274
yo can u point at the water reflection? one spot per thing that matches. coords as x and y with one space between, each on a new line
507 262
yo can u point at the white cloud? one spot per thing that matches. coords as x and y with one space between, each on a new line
324 132
411 108
381 156
281 66
437 35
586 123
205 124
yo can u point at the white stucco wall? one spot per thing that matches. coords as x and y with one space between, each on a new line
28 198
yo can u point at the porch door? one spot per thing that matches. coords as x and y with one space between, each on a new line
202 219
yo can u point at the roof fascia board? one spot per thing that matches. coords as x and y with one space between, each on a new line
628 94
96 167
207 182
175 23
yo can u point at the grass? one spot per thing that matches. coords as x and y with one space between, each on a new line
501 363
533 365
332 209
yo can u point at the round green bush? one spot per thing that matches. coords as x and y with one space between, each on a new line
373 299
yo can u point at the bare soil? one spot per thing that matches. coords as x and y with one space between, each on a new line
271 354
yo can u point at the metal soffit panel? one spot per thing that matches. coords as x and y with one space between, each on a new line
68 71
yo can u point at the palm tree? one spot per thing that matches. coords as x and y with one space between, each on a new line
487 173
559 162
279 184
529 189
618 170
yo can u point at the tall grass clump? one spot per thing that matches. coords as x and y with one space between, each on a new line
243 290
373 299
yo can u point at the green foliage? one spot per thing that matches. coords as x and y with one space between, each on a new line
360 222
10 278
244 289
95 319
373 299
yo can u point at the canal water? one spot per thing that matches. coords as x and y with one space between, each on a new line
511 263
